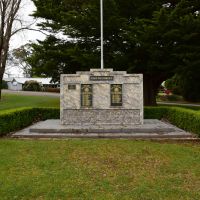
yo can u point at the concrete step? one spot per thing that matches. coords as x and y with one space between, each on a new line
100 130
149 126
106 135
151 129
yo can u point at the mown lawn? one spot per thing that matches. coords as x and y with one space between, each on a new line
197 108
12 101
98 169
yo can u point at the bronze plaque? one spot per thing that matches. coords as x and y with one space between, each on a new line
71 87
101 78
86 95
116 95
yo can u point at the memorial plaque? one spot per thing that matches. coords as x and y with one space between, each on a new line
116 95
71 87
86 95
101 78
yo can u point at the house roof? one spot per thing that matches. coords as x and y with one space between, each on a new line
8 79
43 81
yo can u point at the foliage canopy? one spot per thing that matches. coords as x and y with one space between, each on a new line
157 38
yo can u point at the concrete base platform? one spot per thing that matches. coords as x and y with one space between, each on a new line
151 129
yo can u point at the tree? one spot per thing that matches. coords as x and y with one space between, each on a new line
8 15
169 43
18 57
32 86
150 37
190 85
186 84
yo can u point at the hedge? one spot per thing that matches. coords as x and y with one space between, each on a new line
184 118
17 119
13 120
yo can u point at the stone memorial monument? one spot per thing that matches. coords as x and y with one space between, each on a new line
101 97
102 103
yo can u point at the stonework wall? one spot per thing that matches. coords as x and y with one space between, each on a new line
102 112
101 116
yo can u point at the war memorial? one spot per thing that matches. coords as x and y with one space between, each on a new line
102 103
101 97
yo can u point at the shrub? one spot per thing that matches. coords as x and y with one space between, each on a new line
17 119
171 97
183 118
32 86
173 84
174 97
54 90
154 112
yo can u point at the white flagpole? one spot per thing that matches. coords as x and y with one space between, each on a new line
102 59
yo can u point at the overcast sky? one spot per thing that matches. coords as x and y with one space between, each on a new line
26 36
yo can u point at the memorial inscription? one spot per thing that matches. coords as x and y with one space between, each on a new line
86 95
101 78
71 87
116 95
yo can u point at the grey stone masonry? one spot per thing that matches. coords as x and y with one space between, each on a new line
151 129
101 97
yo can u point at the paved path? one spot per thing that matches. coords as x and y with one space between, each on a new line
29 93
179 104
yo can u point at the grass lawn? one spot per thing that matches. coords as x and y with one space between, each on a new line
197 108
11 101
98 169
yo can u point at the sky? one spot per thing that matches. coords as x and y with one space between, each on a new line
25 36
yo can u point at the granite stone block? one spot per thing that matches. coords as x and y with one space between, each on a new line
102 112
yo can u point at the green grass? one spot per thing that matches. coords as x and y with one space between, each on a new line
94 169
98 169
11 101
197 108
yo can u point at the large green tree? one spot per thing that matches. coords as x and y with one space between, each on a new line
168 44
156 38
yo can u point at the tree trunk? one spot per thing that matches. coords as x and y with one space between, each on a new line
3 64
1 80
8 14
151 86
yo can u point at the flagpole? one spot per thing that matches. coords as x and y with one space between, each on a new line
102 53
